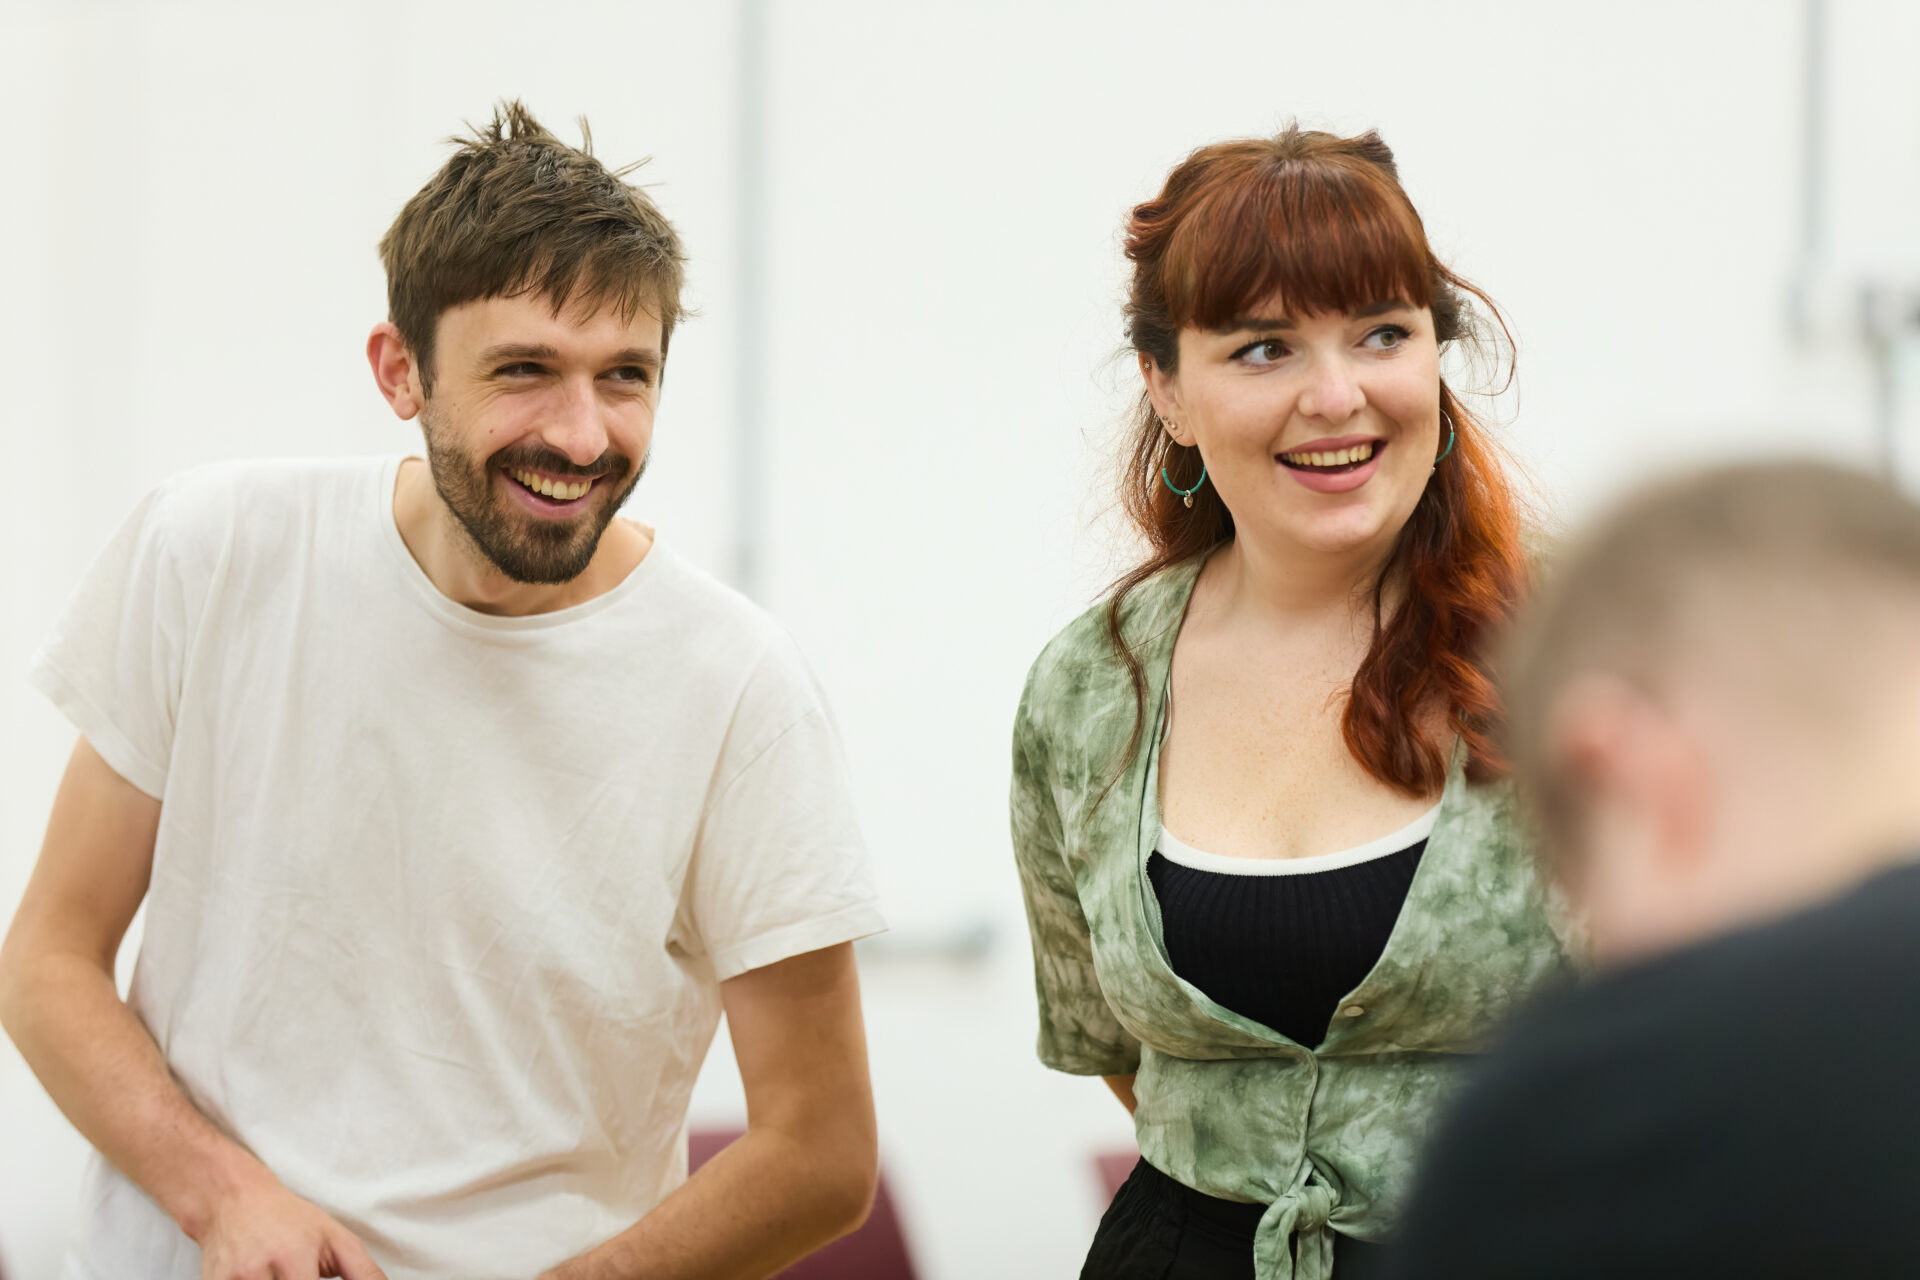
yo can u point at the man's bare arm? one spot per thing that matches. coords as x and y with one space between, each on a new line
59 1004
805 1170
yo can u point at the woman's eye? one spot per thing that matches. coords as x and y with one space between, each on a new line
1265 351
1388 336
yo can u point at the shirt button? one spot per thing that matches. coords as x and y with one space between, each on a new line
1352 1011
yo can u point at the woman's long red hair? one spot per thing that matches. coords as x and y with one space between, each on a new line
1322 222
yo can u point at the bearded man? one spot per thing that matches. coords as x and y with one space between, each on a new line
460 809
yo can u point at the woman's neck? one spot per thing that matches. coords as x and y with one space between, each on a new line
1293 583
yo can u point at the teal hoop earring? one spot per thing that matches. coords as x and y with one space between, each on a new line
1449 449
1186 495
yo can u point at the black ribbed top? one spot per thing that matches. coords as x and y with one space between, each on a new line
1281 949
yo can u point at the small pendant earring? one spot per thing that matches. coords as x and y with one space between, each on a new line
1186 495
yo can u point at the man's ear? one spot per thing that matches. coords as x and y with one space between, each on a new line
1623 750
395 371
1588 728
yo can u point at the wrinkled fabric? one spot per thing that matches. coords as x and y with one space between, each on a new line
1327 1137
441 901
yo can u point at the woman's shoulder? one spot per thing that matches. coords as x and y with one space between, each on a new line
1082 657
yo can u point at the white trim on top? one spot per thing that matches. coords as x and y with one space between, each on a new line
1174 849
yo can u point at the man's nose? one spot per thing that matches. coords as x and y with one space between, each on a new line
575 426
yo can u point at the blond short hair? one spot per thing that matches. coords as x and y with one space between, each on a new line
1693 567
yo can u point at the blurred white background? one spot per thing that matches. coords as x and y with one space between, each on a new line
192 193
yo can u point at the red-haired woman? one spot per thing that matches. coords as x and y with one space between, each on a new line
1274 882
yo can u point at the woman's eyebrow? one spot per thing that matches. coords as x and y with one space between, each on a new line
1255 322
1372 309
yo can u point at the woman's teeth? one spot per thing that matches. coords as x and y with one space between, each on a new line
1338 458
558 490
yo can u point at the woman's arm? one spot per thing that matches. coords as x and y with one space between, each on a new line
1079 1032
1122 1087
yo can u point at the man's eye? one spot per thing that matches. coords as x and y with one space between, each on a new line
518 369
632 373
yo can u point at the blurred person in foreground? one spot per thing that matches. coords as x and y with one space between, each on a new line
460 809
1271 867
1715 709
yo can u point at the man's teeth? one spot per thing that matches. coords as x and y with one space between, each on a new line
559 490
1338 458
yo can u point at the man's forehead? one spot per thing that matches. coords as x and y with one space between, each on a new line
578 326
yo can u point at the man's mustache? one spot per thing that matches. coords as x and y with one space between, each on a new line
555 463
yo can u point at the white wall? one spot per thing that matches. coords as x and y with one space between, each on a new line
192 194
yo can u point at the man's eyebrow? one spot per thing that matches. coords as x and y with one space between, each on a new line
646 357
1275 323
518 351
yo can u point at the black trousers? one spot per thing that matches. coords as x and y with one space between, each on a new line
1158 1229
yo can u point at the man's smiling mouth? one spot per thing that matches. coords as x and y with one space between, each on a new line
548 487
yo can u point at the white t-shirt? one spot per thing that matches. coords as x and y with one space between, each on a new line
441 901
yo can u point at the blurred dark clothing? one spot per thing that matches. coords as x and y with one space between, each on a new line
1160 1229
1749 1106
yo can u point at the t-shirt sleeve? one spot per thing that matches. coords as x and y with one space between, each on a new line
116 660
780 867
1078 1030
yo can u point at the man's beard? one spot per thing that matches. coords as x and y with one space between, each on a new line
525 548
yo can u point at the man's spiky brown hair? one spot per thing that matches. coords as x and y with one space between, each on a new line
516 211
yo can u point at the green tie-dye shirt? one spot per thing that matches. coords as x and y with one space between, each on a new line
1327 1136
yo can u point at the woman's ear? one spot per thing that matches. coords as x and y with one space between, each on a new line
1163 389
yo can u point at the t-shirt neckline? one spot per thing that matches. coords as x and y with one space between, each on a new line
461 616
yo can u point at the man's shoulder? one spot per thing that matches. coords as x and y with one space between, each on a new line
702 600
215 496
1803 986
216 511
1695 1078
244 479
1861 945
1874 922
720 637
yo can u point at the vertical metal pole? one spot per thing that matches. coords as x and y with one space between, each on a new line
750 301
1813 130
1886 405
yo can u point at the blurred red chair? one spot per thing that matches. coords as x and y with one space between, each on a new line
877 1251
1112 1167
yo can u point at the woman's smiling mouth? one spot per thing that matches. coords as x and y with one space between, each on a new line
1331 457
1334 466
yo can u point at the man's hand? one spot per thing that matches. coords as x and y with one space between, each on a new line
262 1231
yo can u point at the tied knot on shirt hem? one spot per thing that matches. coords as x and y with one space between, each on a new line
1293 1241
